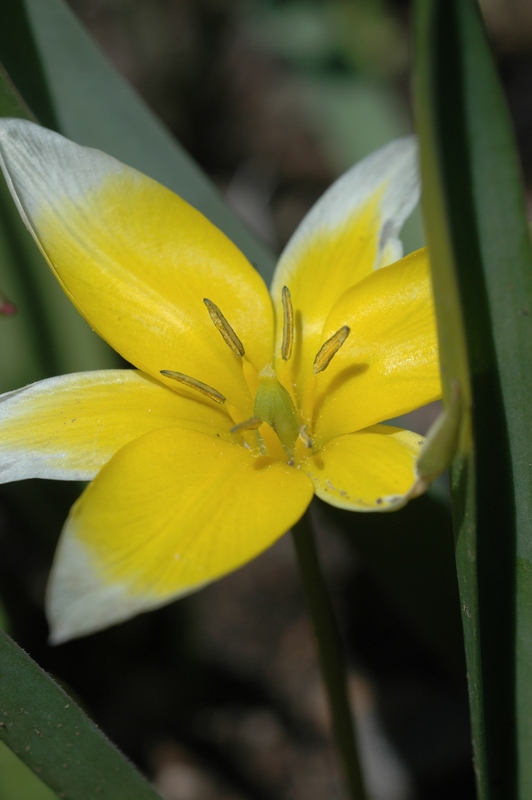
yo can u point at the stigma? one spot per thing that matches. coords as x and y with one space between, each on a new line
273 403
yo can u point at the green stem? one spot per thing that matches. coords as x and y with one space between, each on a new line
331 658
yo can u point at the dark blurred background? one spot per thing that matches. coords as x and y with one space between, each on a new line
218 697
273 98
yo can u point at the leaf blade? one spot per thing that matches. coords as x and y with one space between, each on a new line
94 106
483 282
48 731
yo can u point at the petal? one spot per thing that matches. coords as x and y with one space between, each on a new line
389 363
67 428
371 470
351 231
169 513
136 260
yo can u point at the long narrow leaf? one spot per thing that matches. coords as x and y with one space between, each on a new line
48 731
11 102
17 782
480 251
46 336
94 106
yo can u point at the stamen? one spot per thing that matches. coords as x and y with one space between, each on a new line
304 436
192 383
330 348
288 324
250 424
227 332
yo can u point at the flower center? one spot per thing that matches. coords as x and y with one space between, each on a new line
273 403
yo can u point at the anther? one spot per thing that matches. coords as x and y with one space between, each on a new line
304 436
288 324
226 331
192 383
330 348
250 424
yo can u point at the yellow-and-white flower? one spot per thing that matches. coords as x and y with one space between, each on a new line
242 405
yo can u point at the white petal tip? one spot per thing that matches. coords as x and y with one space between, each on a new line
78 601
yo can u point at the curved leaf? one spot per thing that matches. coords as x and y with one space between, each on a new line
47 730
480 250
94 106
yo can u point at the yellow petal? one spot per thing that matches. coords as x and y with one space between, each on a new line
389 363
67 428
137 261
169 513
371 470
352 230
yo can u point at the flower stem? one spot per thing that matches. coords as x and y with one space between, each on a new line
331 657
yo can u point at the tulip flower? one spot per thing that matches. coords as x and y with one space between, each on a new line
242 404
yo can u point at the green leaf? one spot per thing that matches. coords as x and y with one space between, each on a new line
46 335
11 102
15 40
94 106
17 782
482 269
46 730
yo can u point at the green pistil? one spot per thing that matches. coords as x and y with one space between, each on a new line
274 405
